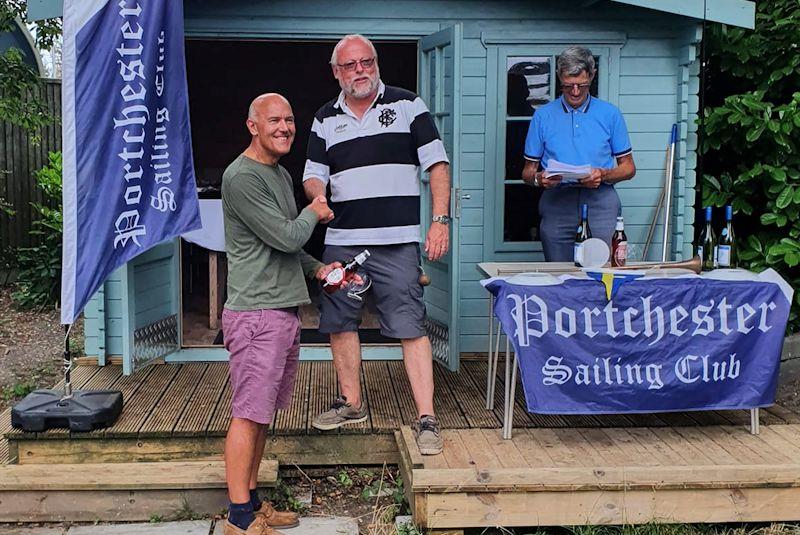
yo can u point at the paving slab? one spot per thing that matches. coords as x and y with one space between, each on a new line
21 530
315 525
190 527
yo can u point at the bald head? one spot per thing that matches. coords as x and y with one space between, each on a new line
261 102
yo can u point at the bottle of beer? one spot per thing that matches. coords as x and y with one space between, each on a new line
619 244
706 244
583 234
342 275
727 255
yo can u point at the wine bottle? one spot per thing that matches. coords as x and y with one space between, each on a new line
619 244
727 255
583 233
340 276
706 244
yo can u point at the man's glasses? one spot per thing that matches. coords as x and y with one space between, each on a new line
571 87
351 65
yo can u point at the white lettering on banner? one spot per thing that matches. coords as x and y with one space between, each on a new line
133 119
610 371
532 319
126 227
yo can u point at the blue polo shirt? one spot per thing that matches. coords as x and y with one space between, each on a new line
594 134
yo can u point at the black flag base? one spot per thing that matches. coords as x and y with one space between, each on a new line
84 410
79 410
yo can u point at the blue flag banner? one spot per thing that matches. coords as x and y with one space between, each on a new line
658 344
128 173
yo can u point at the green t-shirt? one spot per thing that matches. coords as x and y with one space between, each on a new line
264 237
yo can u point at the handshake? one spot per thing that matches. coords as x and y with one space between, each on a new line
320 207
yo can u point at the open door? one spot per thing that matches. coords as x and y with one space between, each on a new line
151 320
440 88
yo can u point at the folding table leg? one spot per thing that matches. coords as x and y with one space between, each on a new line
754 421
489 378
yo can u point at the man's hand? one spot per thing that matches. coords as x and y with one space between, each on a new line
549 182
437 241
324 270
321 208
594 179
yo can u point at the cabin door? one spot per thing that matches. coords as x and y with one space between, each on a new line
440 88
151 307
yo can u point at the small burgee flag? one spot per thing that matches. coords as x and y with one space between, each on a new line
128 175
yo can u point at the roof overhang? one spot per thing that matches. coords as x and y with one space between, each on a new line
734 12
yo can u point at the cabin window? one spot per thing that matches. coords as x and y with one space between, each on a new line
526 81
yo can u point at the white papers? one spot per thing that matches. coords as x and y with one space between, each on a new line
570 174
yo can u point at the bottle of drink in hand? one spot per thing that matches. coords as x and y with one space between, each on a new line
619 244
727 255
583 234
340 276
706 244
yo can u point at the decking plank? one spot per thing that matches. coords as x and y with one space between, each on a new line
477 371
455 452
715 451
506 451
201 405
221 419
141 403
383 405
762 451
790 432
778 441
448 412
322 392
168 410
295 420
558 452
467 396
787 415
631 448
680 446
479 450
608 448
654 448
587 455
405 400
5 451
532 451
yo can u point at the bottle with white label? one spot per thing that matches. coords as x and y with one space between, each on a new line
619 244
727 255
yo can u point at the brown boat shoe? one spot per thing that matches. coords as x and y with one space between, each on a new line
258 526
277 519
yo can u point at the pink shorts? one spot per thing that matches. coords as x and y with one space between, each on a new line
264 348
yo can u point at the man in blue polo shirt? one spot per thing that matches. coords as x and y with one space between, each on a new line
577 129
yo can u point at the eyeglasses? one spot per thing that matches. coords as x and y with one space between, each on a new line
351 65
570 87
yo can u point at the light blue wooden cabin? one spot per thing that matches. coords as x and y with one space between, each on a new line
648 65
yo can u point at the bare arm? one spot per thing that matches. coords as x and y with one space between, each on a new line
437 242
313 188
624 170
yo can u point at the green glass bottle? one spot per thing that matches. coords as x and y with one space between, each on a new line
583 233
727 255
706 244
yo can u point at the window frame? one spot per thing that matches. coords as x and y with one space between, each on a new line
608 52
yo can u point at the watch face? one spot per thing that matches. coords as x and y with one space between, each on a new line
441 219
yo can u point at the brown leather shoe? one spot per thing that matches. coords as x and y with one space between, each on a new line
258 526
277 519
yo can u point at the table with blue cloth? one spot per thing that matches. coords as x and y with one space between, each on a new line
606 342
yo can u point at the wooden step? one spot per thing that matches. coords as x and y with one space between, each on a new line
125 476
117 492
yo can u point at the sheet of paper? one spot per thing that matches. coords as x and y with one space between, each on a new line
570 174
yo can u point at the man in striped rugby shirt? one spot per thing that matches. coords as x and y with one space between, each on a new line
368 146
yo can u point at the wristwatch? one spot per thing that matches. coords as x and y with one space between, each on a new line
443 219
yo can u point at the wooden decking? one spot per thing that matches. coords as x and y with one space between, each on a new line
604 476
182 411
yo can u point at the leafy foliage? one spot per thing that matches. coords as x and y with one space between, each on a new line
38 283
751 133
